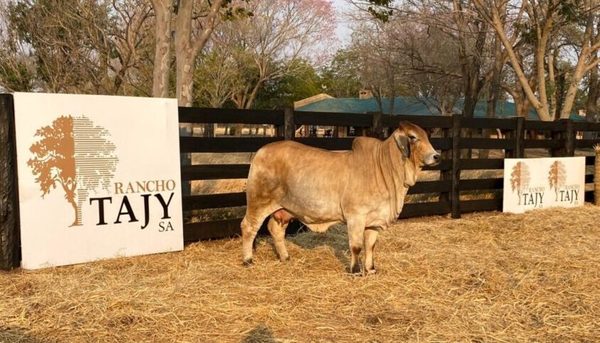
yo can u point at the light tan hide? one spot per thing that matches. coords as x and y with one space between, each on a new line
364 188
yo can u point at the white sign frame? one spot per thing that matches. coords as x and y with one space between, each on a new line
536 183
98 176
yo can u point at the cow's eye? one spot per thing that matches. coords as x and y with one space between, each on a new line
412 138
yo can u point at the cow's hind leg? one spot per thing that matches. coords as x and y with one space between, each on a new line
277 230
250 226
356 234
370 240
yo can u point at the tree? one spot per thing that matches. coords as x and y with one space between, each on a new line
54 161
191 23
73 46
538 23
74 154
403 56
340 78
216 78
446 51
265 47
301 83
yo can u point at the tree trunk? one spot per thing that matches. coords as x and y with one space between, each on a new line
591 43
77 210
552 83
569 100
592 111
541 108
185 77
494 92
162 51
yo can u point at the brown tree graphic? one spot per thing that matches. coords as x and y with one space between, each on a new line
519 178
557 177
76 155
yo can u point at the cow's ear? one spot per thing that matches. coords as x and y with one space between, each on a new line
403 144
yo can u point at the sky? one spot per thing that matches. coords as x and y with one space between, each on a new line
343 31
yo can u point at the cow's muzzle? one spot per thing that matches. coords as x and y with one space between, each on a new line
432 159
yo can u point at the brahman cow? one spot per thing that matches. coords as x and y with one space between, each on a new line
364 188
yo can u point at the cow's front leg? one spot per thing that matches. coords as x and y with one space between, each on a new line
356 237
371 234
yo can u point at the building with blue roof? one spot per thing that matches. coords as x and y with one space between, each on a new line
404 105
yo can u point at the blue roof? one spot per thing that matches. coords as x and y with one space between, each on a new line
411 106
402 105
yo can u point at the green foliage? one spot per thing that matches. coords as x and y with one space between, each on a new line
235 12
301 83
15 74
341 78
381 9
61 39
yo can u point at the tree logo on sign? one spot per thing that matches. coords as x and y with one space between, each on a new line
76 155
557 177
519 178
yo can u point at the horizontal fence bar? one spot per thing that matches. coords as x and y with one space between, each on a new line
333 119
327 143
211 229
486 143
426 122
481 184
544 125
586 126
200 115
444 165
543 143
481 205
586 143
430 187
483 163
488 123
204 201
590 160
224 144
589 196
214 171
425 209
441 143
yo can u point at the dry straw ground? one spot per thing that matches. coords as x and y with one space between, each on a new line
487 277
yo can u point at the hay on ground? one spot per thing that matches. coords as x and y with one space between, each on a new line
487 277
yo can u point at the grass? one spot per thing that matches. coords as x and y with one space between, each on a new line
488 277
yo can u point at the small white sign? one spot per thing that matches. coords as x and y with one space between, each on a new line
532 183
99 177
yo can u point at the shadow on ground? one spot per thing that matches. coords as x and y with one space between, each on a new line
18 335
336 238
260 334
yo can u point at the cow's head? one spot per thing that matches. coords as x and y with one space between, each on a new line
416 149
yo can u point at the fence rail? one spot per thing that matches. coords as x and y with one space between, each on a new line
448 194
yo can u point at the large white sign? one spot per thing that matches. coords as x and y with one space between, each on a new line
99 177
531 183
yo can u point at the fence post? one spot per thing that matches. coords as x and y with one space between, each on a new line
289 126
519 138
446 174
455 190
569 138
9 195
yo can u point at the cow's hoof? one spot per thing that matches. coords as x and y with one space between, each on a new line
247 262
355 270
372 271
284 259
